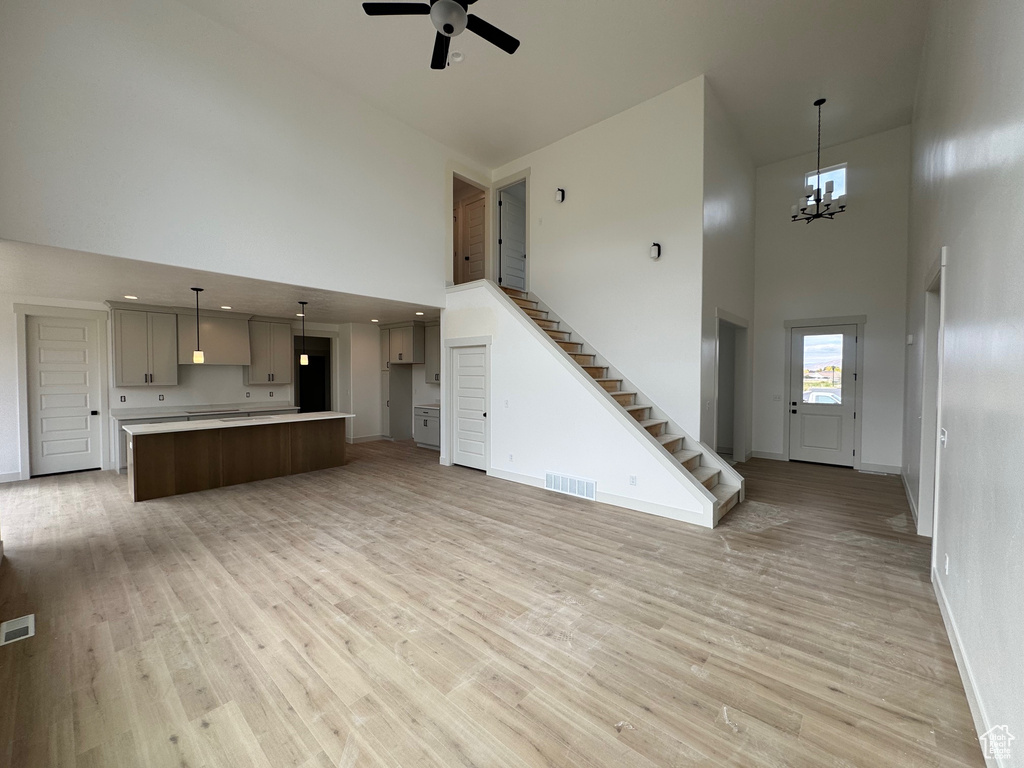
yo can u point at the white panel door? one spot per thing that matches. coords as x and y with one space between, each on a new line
63 391
470 407
512 240
823 394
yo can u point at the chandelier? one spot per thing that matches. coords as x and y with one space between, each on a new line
813 204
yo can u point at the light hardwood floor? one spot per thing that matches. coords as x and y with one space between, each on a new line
398 613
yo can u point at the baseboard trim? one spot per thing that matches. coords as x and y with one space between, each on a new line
910 498
769 455
885 469
10 477
966 676
637 505
367 439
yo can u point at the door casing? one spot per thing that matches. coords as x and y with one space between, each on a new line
860 321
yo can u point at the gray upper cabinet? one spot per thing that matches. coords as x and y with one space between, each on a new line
432 353
406 345
270 353
145 348
225 340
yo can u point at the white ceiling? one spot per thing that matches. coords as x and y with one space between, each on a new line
56 273
582 61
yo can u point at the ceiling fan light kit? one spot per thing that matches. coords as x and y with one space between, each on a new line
450 18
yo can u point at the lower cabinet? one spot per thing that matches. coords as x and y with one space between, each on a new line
426 425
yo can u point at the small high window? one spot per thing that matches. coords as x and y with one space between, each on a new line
836 174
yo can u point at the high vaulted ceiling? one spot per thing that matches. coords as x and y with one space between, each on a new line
582 61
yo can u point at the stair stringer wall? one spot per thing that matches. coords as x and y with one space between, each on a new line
557 419
710 458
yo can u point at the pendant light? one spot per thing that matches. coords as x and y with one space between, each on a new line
813 204
303 358
197 354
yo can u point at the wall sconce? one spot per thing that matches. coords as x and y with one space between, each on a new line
655 251
559 195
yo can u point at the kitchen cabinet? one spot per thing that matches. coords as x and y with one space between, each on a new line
145 348
225 340
432 353
270 353
385 349
427 426
406 345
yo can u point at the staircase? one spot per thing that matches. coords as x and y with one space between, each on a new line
691 455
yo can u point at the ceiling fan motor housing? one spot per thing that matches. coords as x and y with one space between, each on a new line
449 17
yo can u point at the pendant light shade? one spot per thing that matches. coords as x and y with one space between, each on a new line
197 354
303 358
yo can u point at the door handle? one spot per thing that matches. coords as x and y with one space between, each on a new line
793 403
485 414
94 413
793 411
424 422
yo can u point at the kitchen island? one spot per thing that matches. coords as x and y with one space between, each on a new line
186 456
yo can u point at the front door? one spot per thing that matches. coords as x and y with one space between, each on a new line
512 236
470 427
822 398
63 395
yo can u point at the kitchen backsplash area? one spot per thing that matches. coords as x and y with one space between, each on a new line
202 385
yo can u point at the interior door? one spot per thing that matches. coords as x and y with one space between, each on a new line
823 394
512 236
385 403
473 234
63 395
470 428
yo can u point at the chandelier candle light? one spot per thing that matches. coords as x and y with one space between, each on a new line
197 355
813 204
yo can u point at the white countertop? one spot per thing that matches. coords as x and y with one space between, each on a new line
238 421
123 414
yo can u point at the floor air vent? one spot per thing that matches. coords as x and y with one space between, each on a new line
17 629
574 486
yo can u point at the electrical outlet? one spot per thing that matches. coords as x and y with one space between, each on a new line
947 563
247 394
160 398
124 399
271 394
632 479
777 398
510 458
506 403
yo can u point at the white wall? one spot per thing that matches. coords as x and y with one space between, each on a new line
139 128
728 274
852 265
968 173
553 421
631 180
202 385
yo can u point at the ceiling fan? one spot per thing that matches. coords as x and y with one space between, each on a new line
450 18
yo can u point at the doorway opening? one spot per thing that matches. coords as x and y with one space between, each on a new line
512 236
469 231
731 411
930 400
313 381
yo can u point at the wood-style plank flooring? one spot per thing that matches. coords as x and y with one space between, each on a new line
394 612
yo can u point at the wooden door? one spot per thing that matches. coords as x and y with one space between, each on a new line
470 407
473 230
512 236
162 335
823 394
131 348
63 394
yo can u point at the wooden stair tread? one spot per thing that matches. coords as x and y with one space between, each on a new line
615 392
668 438
724 492
652 422
685 455
634 407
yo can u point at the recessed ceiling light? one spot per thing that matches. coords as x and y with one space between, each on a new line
458 57
419 313
225 307
133 298
375 321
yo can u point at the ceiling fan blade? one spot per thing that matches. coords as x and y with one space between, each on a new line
396 9
492 34
440 58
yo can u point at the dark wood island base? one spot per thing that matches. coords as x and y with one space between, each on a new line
172 462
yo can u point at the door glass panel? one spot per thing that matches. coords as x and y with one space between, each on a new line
823 369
